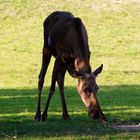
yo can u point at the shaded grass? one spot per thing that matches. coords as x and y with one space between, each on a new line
119 103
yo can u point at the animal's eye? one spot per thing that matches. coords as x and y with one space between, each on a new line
88 89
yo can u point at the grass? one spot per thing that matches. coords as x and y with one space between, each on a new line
114 39
20 104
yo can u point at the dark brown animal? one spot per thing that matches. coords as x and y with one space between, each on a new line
65 37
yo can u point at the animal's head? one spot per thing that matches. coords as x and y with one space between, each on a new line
87 88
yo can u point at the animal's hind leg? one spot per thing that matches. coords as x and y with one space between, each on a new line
45 62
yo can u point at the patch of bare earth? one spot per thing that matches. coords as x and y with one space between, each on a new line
127 127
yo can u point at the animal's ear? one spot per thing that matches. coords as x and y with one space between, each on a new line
98 70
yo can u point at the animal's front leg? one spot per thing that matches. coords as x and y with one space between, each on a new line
52 88
51 92
60 82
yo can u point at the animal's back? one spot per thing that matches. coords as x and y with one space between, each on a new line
67 37
60 17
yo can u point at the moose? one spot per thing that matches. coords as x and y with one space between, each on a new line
65 38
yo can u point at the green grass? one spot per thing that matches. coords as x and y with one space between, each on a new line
114 40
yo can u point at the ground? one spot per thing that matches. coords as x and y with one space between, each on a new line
114 39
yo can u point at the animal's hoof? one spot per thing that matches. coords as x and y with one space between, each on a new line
66 117
38 117
44 118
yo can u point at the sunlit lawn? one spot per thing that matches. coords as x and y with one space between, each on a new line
114 39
